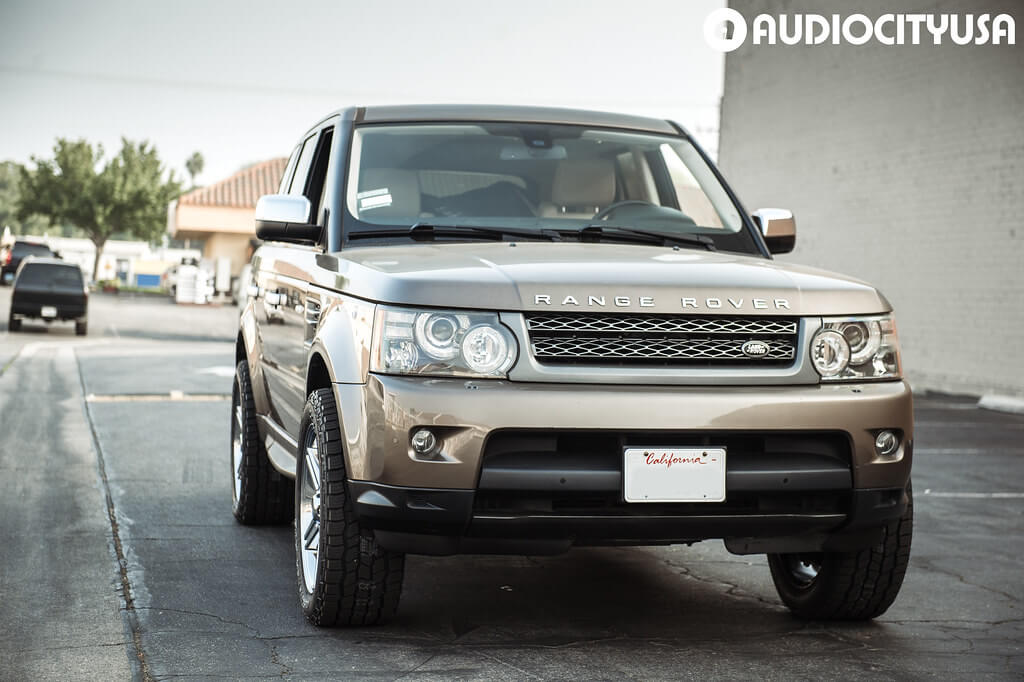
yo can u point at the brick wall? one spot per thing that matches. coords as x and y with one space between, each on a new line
904 166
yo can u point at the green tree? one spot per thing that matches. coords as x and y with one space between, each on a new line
9 193
126 195
194 165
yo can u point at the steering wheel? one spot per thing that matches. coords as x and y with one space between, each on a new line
613 207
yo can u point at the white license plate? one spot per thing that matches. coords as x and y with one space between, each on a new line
48 311
674 474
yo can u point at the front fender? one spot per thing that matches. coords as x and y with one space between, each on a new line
343 338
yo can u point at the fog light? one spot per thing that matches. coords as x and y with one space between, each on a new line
886 443
424 442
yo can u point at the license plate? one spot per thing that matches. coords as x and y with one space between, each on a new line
674 474
48 311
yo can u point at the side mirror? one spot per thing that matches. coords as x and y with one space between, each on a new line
778 227
285 218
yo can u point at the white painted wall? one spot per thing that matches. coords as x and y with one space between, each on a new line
904 166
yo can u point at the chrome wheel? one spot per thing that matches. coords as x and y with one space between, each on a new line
237 459
803 568
309 509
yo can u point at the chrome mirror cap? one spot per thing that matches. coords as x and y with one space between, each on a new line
285 218
778 227
282 208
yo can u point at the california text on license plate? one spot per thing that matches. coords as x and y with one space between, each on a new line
674 474
48 311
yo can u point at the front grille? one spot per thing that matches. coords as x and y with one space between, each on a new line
671 340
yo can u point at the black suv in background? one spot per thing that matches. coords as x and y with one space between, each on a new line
49 289
11 256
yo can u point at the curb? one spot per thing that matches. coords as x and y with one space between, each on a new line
1001 403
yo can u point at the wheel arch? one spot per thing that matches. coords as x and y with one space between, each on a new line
338 359
247 348
318 375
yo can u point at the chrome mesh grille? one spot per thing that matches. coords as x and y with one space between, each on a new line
656 324
674 340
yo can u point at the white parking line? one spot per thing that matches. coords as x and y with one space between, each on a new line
979 496
218 371
173 396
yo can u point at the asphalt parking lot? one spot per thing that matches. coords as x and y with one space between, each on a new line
121 558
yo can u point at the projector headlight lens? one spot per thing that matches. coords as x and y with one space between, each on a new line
441 343
857 349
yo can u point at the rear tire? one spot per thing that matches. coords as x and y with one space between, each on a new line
13 325
345 577
81 328
856 585
259 494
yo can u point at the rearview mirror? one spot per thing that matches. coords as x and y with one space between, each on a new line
285 218
778 227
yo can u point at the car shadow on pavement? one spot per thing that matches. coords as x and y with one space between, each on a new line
57 329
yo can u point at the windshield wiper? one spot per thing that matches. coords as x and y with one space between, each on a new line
597 233
426 232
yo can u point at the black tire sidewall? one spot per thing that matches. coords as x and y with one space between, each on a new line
264 495
840 573
315 417
250 449
237 398
800 597
307 599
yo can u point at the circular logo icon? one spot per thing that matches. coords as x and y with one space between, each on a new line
725 29
755 349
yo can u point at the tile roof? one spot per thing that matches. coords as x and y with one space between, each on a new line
241 189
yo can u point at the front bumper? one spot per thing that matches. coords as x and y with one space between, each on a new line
804 472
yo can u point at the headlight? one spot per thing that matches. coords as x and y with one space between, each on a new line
441 343
856 349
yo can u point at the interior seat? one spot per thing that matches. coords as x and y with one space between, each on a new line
580 189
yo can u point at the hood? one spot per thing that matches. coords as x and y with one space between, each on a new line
564 276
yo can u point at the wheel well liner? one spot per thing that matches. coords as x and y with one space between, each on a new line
240 353
318 376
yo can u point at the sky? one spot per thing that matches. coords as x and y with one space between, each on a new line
239 81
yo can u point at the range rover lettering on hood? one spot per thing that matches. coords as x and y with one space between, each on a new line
709 303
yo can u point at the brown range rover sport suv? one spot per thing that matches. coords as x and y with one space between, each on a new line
489 329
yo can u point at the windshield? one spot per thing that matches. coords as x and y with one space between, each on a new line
535 178
26 248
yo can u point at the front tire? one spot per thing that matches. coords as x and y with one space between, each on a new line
345 577
858 585
259 494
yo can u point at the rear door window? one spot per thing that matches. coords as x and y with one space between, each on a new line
42 274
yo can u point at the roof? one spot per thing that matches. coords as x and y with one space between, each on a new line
36 260
241 189
506 113
27 242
